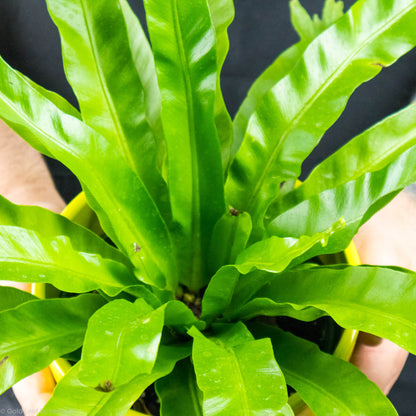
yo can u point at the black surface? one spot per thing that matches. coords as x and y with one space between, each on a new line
402 394
29 42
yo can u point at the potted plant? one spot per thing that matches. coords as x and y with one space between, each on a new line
206 231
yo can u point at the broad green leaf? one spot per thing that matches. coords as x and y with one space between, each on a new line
179 317
274 254
10 297
229 335
57 327
179 393
184 47
328 385
131 220
374 299
145 66
286 410
368 152
229 238
121 342
219 292
74 398
283 129
25 131
222 14
51 225
241 379
268 307
284 63
107 85
248 285
28 256
356 201
146 293
55 98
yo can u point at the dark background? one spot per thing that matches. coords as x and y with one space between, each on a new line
29 42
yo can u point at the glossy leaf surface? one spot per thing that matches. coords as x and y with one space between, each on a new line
378 300
285 62
179 393
180 317
238 376
121 342
51 225
131 219
283 129
219 292
108 87
247 287
356 201
145 67
368 152
184 46
58 100
222 14
229 238
72 397
328 385
146 293
57 327
274 254
28 256
12 297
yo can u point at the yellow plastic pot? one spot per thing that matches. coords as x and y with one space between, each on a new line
79 212
348 339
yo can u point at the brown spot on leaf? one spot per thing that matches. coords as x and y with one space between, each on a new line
105 387
234 212
4 360
379 64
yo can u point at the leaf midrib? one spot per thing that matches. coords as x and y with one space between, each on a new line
348 305
194 244
321 390
129 225
120 136
57 268
369 167
313 98
126 328
22 344
242 391
358 306
192 388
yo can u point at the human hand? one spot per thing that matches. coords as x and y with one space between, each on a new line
24 176
388 238
34 391
25 179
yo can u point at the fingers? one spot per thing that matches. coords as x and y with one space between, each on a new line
379 359
24 176
388 238
34 391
